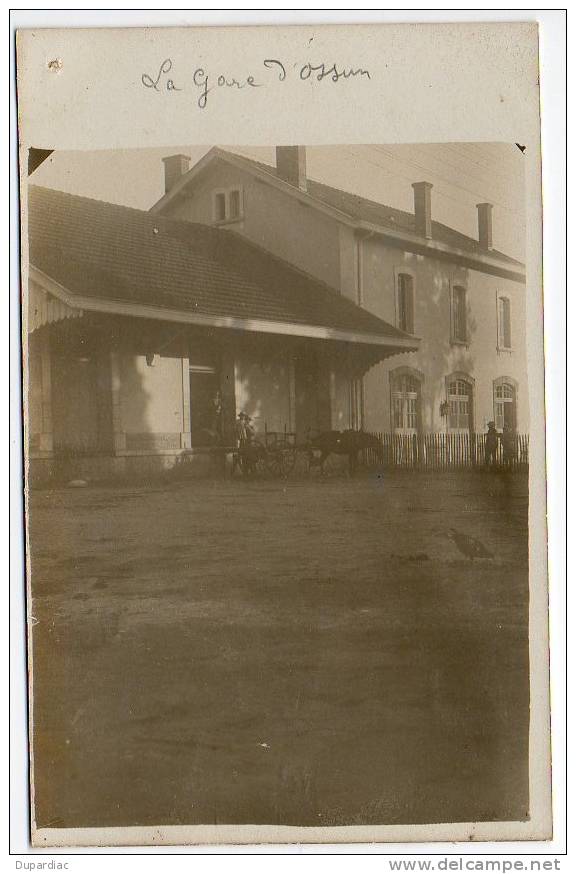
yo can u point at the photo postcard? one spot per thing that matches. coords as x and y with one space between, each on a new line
284 434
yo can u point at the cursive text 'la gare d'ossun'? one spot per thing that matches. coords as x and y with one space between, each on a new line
204 83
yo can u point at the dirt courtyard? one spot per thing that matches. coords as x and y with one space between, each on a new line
313 652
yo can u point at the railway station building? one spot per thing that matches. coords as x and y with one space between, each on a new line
147 333
461 299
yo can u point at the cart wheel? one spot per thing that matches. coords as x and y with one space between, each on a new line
336 465
261 465
280 462
252 460
288 461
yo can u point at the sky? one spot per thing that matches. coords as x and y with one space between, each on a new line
463 174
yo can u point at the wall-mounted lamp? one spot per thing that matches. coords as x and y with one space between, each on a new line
444 409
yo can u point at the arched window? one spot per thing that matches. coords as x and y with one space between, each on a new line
406 401
505 403
504 323
405 306
460 397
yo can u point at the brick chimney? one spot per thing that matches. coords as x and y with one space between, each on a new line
423 208
485 225
291 165
175 166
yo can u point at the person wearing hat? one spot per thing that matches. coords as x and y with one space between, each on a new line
244 430
217 416
491 445
248 450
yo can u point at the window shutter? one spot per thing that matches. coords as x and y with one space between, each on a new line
504 323
220 202
507 331
459 313
235 204
409 305
402 306
406 303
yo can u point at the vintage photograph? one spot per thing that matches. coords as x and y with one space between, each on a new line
278 445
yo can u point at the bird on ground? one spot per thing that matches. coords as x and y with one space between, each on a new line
468 546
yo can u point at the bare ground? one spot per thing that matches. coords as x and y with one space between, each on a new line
310 652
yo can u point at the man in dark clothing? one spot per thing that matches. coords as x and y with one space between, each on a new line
509 445
217 416
244 430
491 445
249 450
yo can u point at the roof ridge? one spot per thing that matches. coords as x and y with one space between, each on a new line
85 198
271 170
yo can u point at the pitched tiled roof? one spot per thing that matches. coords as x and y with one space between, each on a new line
101 250
361 209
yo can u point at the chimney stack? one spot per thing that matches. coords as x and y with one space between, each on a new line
423 208
485 225
175 166
291 165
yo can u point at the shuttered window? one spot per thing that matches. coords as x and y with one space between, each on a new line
406 303
235 204
220 207
504 323
228 205
459 320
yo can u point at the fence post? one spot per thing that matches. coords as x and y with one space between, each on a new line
438 450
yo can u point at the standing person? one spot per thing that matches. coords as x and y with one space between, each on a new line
509 448
244 430
217 416
491 445
248 451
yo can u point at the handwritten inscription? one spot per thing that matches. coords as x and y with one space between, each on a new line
167 84
204 83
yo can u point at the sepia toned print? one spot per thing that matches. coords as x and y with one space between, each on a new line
278 446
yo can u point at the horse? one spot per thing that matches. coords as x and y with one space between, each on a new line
348 443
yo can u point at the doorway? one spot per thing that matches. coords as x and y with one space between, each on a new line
205 406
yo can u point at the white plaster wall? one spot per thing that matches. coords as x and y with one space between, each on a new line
263 392
272 219
328 250
151 397
438 356
75 403
341 402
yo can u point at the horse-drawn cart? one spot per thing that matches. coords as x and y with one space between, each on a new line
272 453
275 453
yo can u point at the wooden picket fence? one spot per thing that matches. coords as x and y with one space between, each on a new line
441 450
